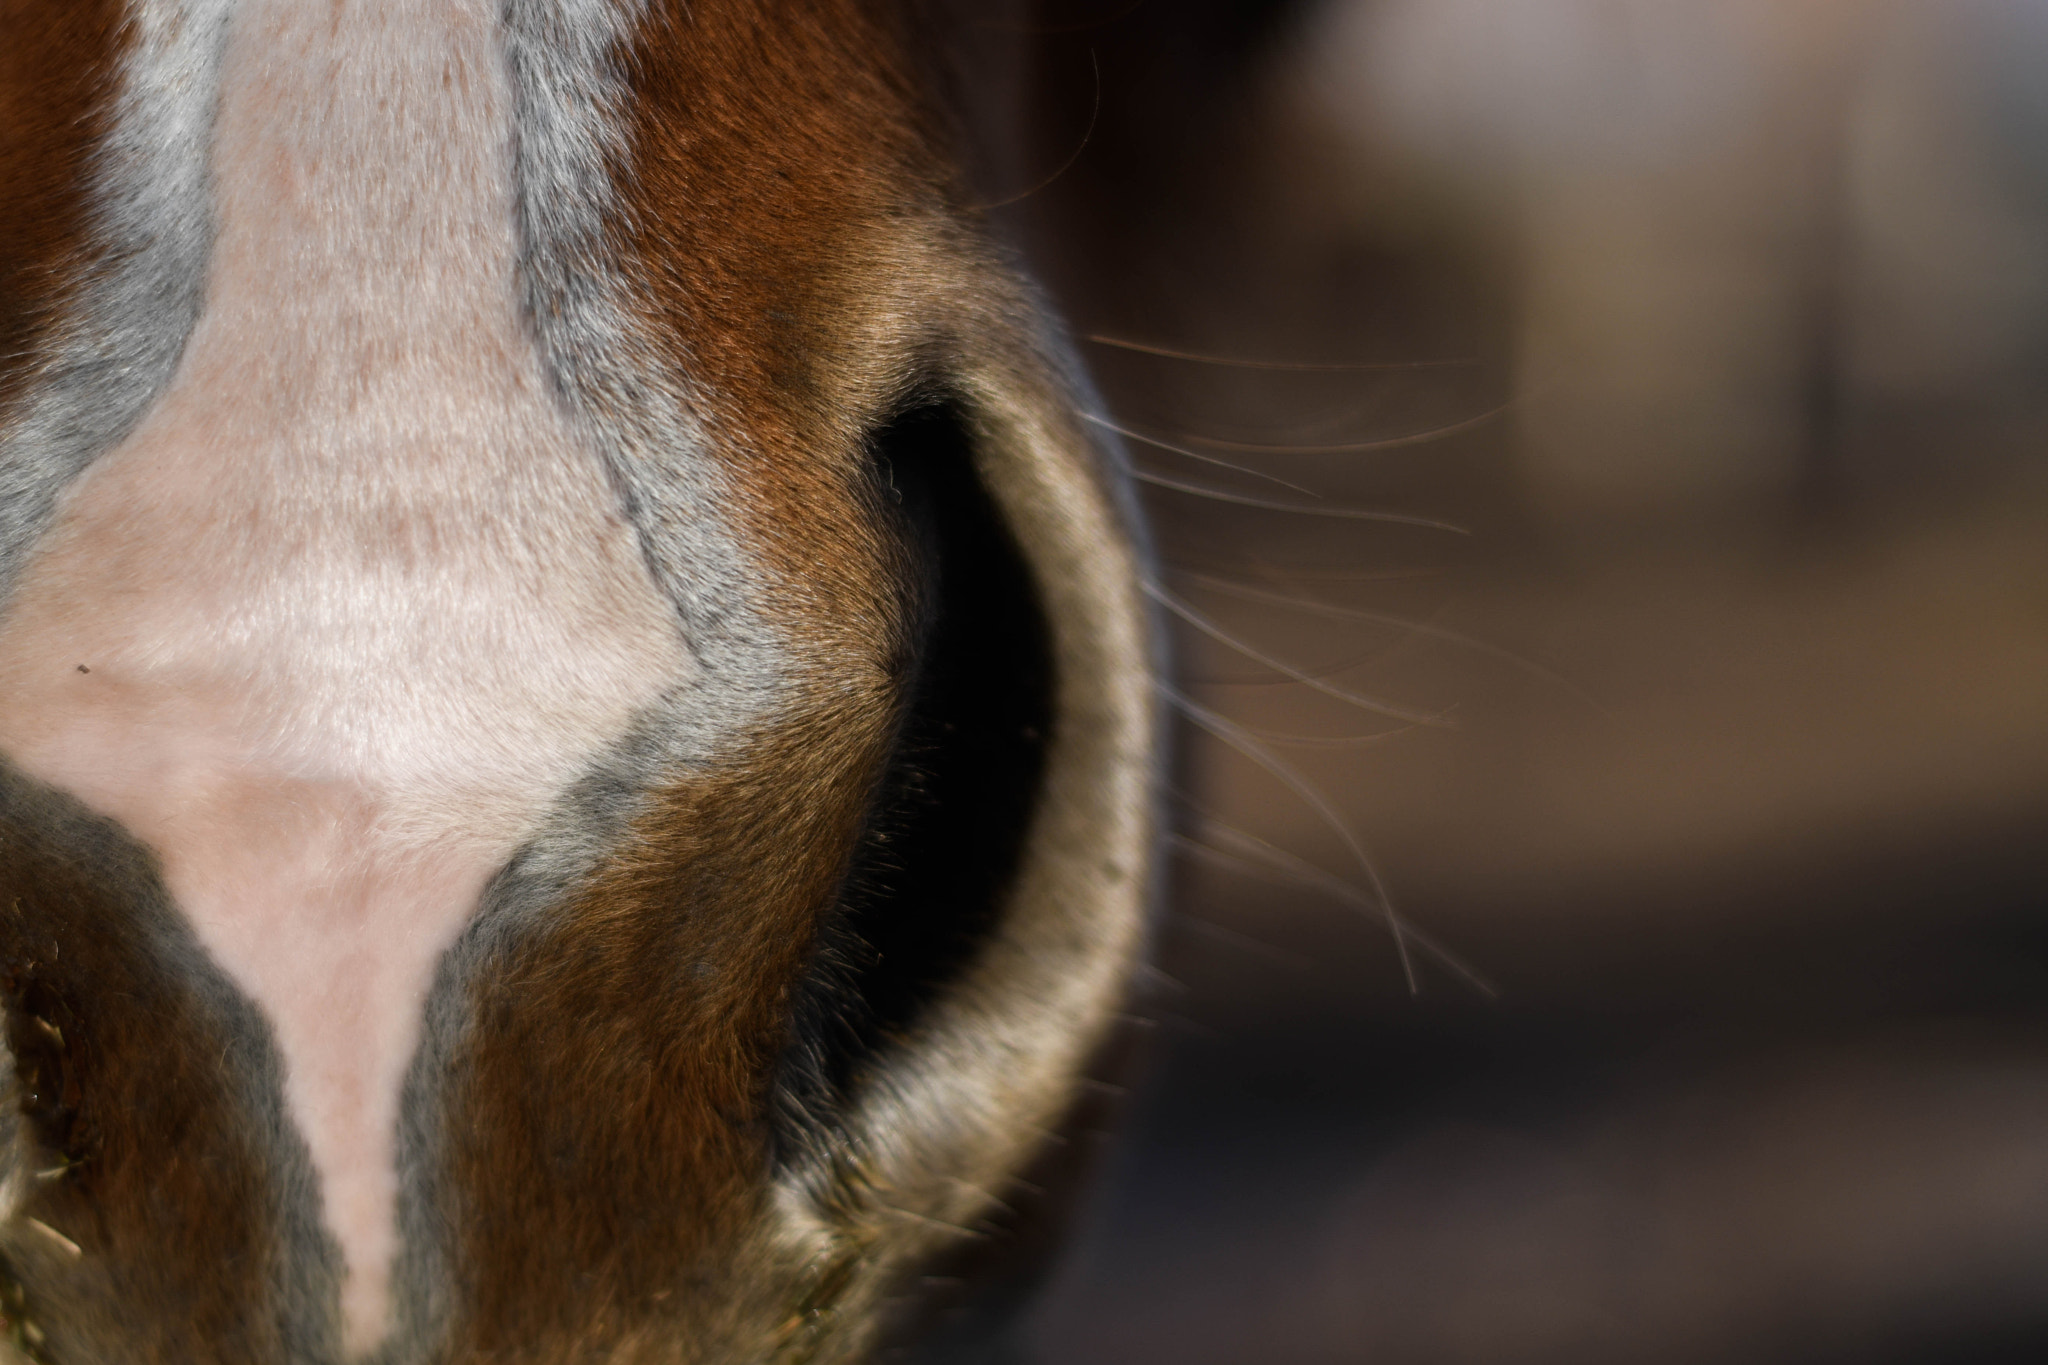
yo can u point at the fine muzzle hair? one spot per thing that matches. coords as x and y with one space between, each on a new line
577 732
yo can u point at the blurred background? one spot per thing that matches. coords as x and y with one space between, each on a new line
1598 456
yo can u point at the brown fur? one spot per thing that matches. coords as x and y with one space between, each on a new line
56 76
600 1161
618 1079
143 1144
611 1104
762 273
134 1135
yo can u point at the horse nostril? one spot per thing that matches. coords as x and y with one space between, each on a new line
950 816
607 817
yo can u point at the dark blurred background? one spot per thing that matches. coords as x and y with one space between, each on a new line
1598 456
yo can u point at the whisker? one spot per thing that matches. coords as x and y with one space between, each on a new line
1293 366
1232 734
1209 679
1094 117
1269 505
1335 669
1274 864
1413 438
1156 978
1293 741
1306 679
1245 942
1331 611
1183 569
1219 462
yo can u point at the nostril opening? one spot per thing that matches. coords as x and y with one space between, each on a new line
946 833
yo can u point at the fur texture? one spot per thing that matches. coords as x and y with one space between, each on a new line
502 624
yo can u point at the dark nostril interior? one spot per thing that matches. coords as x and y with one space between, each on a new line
947 829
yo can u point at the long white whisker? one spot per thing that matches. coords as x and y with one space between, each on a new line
1268 504
1274 863
1234 937
1234 735
1131 434
1094 118
1335 669
1292 366
1413 438
1334 612
1292 574
1309 680
1292 741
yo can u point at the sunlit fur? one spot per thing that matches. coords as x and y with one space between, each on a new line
455 639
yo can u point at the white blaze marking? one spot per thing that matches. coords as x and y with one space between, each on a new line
355 601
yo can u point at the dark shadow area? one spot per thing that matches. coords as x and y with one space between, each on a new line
944 840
